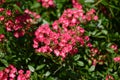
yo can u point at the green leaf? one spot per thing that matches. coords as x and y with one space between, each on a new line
4 62
116 35
89 1
60 1
98 34
104 2
101 37
35 5
1 68
110 50
89 62
109 44
92 68
105 32
59 6
102 44
1 29
115 7
34 77
99 22
93 33
1 54
80 63
45 22
31 68
81 1
50 78
76 57
112 13
47 73
17 8
40 67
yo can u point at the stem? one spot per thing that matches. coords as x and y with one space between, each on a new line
57 70
97 2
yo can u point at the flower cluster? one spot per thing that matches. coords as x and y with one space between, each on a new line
2 1
64 34
97 56
76 4
117 59
23 76
47 3
114 47
109 77
90 15
33 14
19 23
11 73
61 42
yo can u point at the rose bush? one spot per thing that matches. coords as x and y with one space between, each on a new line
59 40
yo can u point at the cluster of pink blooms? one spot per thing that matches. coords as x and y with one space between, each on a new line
11 73
47 3
90 15
114 47
2 1
109 77
1 17
19 23
117 59
64 34
61 42
95 52
2 36
33 14
96 56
